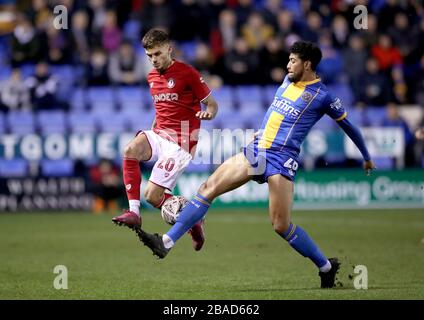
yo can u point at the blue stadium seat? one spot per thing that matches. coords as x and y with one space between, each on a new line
143 121
224 95
116 123
375 115
27 70
130 96
226 110
326 124
248 107
147 98
52 121
3 128
13 168
79 99
99 95
82 122
66 75
100 106
252 93
200 167
57 168
384 163
232 123
5 72
21 122
254 120
132 29
269 93
189 50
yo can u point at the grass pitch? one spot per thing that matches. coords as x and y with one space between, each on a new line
242 258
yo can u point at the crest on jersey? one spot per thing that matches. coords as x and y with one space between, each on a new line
336 105
171 83
306 96
151 84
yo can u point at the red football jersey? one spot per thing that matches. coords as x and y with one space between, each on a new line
176 94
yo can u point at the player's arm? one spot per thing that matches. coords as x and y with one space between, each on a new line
211 108
355 135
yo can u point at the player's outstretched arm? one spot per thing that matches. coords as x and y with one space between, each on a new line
211 109
355 135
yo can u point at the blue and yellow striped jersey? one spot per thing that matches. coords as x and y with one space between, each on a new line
295 109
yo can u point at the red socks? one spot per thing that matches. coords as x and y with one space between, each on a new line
132 178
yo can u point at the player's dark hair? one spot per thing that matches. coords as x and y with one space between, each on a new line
307 51
154 37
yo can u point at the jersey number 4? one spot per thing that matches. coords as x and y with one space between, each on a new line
291 164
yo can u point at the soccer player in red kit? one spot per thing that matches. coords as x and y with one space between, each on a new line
177 90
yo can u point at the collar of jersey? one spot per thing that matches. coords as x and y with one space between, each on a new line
305 83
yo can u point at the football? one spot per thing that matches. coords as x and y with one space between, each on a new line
172 208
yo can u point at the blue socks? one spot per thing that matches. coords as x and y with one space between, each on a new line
302 243
194 211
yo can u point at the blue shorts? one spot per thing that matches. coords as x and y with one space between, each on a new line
268 162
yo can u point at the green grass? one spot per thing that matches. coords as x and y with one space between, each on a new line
242 258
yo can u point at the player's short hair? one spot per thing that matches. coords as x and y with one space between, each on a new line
307 51
154 38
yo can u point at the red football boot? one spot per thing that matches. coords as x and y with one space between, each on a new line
197 233
129 219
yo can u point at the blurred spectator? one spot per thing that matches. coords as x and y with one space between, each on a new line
256 32
81 36
370 35
419 145
125 66
97 15
241 63
111 34
57 44
222 38
273 61
401 34
214 9
97 69
362 118
331 64
156 14
43 87
399 85
26 44
394 119
203 59
375 89
269 10
14 94
106 185
340 31
386 54
243 10
354 59
416 83
387 14
310 31
40 14
191 23
285 23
